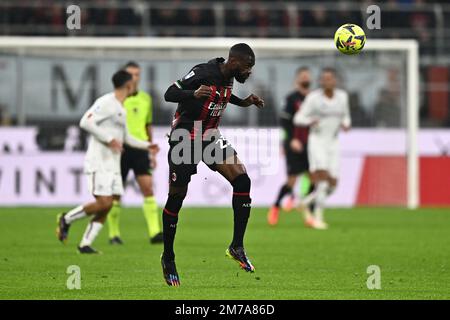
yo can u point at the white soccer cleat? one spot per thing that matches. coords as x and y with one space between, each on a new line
308 218
319 225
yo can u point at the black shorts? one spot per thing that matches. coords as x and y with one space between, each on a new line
136 160
183 162
296 163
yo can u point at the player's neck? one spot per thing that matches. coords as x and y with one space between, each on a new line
303 91
120 95
328 92
225 72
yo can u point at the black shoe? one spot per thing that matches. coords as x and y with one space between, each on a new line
238 255
87 250
170 272
115 240
157 238
62 228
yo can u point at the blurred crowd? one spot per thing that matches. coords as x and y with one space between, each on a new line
400 18
426 21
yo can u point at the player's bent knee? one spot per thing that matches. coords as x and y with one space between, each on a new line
147 192
241 183
105 204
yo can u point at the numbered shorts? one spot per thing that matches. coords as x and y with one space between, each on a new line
181 168
324 156
105 183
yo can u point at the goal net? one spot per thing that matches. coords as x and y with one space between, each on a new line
48 83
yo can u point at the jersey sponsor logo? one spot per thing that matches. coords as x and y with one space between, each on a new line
216 109
189 75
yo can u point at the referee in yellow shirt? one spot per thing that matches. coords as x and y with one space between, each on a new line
139 122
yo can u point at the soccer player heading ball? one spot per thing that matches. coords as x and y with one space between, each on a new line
202 96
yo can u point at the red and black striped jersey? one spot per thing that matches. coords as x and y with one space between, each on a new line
207 110
293 104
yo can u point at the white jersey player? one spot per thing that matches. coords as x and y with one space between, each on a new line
326 112
106 122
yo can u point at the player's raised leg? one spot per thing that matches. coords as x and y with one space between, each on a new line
102 206
97 209
324 187
234 171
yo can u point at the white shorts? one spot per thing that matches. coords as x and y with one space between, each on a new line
105 183
324 156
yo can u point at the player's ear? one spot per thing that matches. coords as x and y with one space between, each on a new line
232 61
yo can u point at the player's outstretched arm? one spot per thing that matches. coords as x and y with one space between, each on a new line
252 99
176 94
90 120
347 120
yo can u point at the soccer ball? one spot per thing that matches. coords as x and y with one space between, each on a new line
350 38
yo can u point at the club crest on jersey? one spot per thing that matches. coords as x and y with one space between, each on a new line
173 176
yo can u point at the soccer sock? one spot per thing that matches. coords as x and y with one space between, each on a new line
170 220
75 214
151 215
92 230
283 191
310 198
114 219
241 207
330 190
321 191
312 204
305 185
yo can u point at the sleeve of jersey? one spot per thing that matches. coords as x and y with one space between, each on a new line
150 110
128 139
304 117
135 143
91 120
346 120
286 120
184 88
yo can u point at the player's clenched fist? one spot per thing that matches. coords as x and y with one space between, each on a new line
153 148
202 92
115 145
253 99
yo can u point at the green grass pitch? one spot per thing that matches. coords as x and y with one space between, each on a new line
412 249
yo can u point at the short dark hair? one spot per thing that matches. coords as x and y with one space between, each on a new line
132 64
241 50
329 69
120 78
301 69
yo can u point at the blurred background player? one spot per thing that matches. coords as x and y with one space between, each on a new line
139 122
105 120
326 111
294 144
